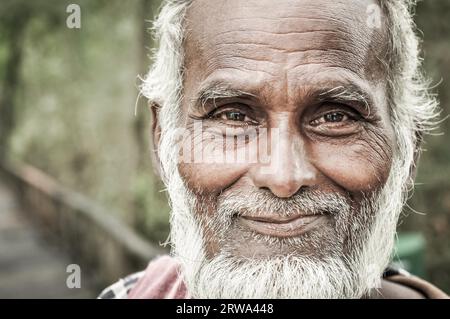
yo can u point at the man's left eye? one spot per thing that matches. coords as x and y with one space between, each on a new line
331 117
233 116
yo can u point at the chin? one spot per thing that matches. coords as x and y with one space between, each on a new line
318 243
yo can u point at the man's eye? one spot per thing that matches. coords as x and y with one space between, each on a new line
232 115
334 117
331 117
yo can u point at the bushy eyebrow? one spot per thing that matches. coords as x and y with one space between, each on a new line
218 90
347 94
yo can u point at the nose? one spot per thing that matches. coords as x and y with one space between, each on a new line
288 168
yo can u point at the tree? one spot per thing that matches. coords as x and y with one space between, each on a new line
15 17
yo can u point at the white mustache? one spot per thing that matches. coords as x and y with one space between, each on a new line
259 202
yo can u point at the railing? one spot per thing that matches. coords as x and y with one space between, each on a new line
104 247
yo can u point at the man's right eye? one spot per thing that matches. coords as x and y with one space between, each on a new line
232 116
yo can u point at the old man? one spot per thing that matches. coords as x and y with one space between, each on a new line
287 133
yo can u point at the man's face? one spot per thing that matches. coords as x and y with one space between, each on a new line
307 77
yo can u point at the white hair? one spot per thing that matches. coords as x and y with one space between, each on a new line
413 111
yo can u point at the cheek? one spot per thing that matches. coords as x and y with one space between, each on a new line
356 166
202 178
215 163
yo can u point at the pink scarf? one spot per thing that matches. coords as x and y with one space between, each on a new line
161 280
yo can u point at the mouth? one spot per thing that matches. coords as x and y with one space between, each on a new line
282 227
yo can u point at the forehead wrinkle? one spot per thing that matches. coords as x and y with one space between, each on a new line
220 46
226 52
279 62
238 63
241 55
293 40
305 10
306 16
239 41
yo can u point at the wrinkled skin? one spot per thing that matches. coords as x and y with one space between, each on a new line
284 55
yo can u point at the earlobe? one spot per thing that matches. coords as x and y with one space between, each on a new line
156 133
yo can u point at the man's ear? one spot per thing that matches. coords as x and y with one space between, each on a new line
155 136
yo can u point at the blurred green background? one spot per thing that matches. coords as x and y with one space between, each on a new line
67 100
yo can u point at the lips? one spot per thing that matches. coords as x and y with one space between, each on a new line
283 227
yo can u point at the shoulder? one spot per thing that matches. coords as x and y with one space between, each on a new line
399 284
159 280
